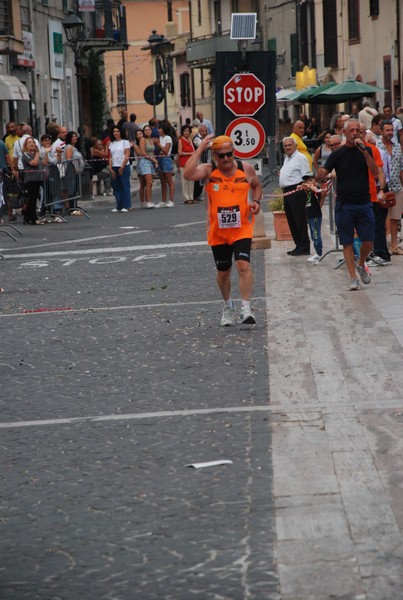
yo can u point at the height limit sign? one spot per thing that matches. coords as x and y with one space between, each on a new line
248 136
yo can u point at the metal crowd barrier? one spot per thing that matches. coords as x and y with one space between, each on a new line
62 187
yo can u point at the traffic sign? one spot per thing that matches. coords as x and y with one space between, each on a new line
248 136
244 94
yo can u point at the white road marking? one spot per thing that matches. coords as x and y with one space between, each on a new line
128 307
136 416
78 241
120 249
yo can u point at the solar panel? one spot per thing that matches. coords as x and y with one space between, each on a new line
243 26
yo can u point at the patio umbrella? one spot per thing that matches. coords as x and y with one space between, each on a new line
309 93
346 91
283 95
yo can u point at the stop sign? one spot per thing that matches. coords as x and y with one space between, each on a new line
244 94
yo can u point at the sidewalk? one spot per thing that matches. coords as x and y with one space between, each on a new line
336 380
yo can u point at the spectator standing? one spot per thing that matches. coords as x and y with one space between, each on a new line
295 166
297 133
131 128
185 151
313 207
209 125
366 114
100 166
119 157
393 160
323 152
353 211
123 118
375 128
397 125
6 161
147 163
11 136
106 132
205 157
33 165
165 165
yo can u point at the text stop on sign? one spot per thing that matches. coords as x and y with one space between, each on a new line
244 94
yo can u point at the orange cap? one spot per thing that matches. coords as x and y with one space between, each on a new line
220 140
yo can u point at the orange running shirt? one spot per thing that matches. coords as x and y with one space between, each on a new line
228 216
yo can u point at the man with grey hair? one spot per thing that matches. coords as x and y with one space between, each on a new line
353 212
366 114
295 166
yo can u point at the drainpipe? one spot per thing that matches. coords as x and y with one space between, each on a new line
35 124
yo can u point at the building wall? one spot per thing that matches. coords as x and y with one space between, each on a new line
137 64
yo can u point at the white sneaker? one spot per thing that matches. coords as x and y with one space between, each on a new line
114 210
228 316
246 316
313 259
124 210
170 204
161 205
150 205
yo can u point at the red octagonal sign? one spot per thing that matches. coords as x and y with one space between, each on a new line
244 94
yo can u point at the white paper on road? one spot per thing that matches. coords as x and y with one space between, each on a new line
212 463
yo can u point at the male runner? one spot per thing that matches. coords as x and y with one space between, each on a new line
229 218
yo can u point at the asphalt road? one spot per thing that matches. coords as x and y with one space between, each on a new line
115 375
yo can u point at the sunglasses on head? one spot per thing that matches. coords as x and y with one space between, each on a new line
223 154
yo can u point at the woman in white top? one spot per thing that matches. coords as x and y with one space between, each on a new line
119 156
165 164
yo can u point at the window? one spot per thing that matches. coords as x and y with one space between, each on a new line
217 16
185 89
5 18
353 20
330 33
374 8
199 16
169 6
294 54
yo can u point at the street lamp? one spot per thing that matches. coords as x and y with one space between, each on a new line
74 29
160 48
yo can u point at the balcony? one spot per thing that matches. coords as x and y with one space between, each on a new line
200 52
105 28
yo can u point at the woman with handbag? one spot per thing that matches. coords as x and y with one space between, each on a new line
34 170
185 151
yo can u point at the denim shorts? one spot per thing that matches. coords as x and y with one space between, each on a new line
145 167
358 217
165 164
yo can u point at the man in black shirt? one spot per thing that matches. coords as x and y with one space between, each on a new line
353 211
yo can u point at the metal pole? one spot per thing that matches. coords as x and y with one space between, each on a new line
79 74
164 85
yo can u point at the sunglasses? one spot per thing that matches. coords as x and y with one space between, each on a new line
224 154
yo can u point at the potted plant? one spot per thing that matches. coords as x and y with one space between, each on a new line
276 206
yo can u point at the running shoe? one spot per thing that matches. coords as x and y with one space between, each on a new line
124 210
150 205
354 285
161 205
115 210
314 259
364 275
228 316
246 316
170 204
